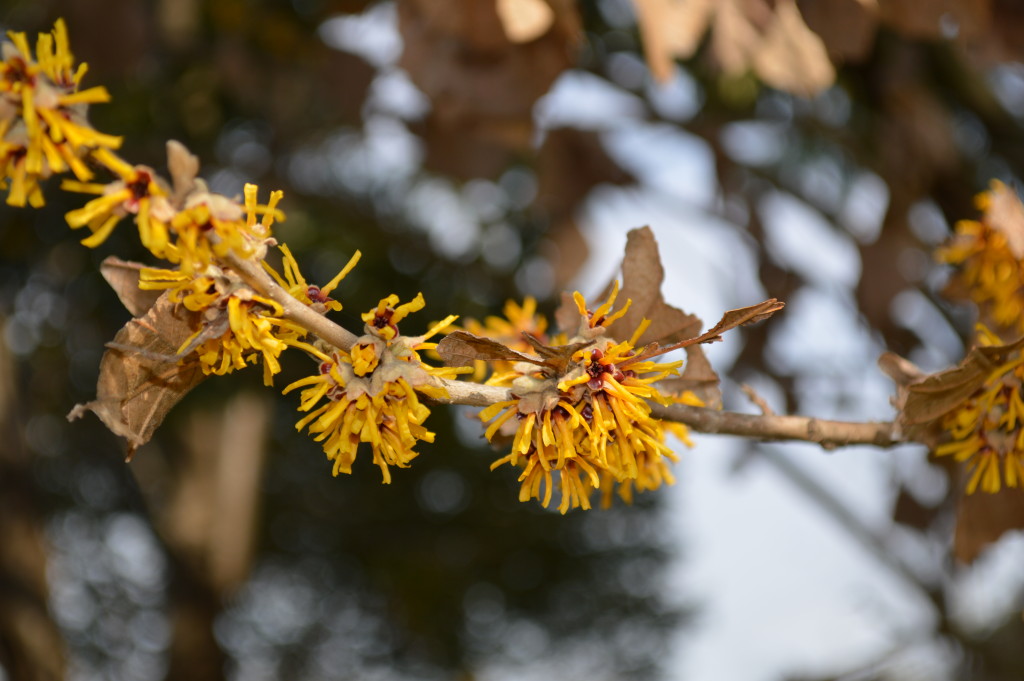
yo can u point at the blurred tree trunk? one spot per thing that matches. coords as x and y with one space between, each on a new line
31 646
205 508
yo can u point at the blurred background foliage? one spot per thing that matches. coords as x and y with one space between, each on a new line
412 131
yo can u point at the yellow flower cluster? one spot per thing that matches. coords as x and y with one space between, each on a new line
987 430
43 126
990 256
192 232
372 391
588 426
238 326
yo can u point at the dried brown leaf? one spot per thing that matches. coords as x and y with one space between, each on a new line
642 276
557 357
137 388
699 378
739 317
524 20
482 85
123 277
847 27
461 348
183 166
671 29
792 57
739 27
981 519
937 394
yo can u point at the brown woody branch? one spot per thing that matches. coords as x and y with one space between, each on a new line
828 434
256 277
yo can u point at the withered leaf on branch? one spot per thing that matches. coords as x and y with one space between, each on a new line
791 56
671 29
184 167
769 37
462 348
123 277
140 379
741 317
922 401
847 27
525 20
930 397
698 377
557 357
642 277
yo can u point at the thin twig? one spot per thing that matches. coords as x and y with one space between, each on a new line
758 401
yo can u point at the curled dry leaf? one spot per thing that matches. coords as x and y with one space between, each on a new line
922 401
524 20
642 277
927 398
792 57
184 167
556 357
771 38
123 277
847 27
141 378
462 348
671 29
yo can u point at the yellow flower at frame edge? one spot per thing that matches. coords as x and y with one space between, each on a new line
43 126
593 428
987 430
371 393
990 268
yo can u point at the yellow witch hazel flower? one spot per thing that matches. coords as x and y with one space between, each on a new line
238 327
987 430
293 282
188 225
43 126
990 256
588 425
138 191
372 392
